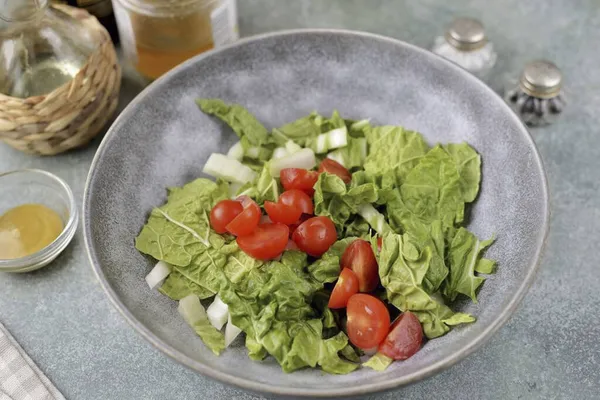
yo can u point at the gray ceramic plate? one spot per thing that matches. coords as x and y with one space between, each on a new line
163 140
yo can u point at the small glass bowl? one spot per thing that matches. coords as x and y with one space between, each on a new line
36 186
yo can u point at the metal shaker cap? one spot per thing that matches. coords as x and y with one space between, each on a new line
541 78
466 34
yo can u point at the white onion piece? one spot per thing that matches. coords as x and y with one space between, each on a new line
304 158
234 187
337 156
280 152
159 273
217 313
191 310
374 218
236 152
221 166
292 147
253 152
231 332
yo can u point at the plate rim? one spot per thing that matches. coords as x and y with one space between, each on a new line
368 388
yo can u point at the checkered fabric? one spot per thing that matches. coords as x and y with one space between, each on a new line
20 378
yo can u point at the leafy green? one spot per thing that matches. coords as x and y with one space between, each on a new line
464 256
378 362
266 187
327 268
430 191
300 131
402 269
392 148
468 164
335 200
243 123
177 286
211 337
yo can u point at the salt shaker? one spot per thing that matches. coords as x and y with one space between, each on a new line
537 98
466 44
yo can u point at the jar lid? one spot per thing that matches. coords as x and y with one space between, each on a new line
541 78
466 34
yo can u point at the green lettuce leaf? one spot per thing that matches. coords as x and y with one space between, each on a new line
211 337
335 200
178 230
402 269
243 123
264 188
327 268
378 362
300 131
464 257
177 286
255 350
468 164
431 191
392 148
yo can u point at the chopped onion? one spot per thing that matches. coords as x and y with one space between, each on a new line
337 156
333 139
280 152
304 158
236 152
362 142
231 332
217 313
158 274
292 147
253 152
221 166
191 310
234 188
374 218
358 125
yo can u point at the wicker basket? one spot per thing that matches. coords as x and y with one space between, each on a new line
71 115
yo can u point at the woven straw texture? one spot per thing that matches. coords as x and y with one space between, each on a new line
71 115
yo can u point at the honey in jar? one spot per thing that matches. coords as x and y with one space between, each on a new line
157 35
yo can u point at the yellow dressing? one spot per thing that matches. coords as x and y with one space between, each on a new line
27 229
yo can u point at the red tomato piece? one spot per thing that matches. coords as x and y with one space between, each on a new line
333 167
279 212
315 235
368 320
266 242
346 286
359 257
297 198
247 221
298 178
404 339
223 213
293 227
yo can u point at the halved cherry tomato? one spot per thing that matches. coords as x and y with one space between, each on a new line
247 220
379 243
315 235
298 199
223 213
333 167
298 178
359 257
346 286
368 320
293 227
404 339
267 241
279 212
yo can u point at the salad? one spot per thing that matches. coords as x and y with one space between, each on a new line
327 242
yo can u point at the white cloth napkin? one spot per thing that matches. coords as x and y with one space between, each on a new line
20 378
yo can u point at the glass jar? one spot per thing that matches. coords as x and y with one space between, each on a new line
157 35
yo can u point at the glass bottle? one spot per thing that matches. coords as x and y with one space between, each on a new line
41 48
157 35
101 9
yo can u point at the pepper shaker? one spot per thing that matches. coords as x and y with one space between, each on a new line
537 98
465 43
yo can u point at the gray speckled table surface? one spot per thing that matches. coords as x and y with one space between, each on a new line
548 350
